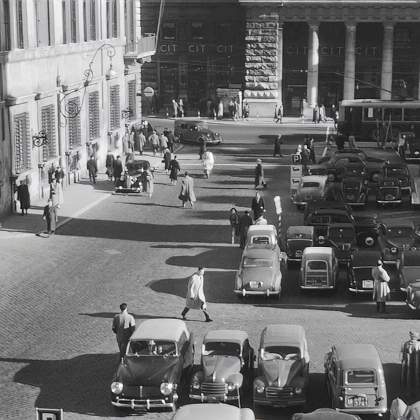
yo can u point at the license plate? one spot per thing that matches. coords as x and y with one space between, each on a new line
367 284
356 402
254 284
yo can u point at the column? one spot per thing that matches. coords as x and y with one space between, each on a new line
313 64
280 62
350 61
387 55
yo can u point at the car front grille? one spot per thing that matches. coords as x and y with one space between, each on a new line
210 388
316 280
135 391
278 394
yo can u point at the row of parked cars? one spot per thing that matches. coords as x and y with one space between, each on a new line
158 368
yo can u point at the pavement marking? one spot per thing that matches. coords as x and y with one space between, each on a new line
112 252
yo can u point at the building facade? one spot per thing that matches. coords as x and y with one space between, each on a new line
292 52
69 69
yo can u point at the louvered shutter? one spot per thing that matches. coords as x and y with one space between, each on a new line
114 107
132 99
94 126
48 125
74 123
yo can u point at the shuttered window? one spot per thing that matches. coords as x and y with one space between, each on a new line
114 107
132 99
23 147
49 150
75 139
94 126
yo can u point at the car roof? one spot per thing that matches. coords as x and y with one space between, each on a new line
160 329
324 204
212 411
262 229
318 250
314 178
305 230
357 355
366 257
325 414
340 225
415 284
259 251
231 336
290 334
331 210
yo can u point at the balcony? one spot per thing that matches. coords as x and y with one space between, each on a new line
143 49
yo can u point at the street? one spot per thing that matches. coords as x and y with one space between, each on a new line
60 294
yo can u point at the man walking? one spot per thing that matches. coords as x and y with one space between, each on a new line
195 298
245 221
50 216
123 326
187 191
257 205
154 140
92 168
118 169
380 286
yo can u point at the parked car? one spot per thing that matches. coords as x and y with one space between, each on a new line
413 295
283 367
213 412
260 271
262 235
389 192
322 218
355 379
160 355
360 274
343 165
319 268
297 239
130 181
325 414
412 150
401 411
396 238
227 362
409 268
311 187
195 131
400 172
355 191
342 238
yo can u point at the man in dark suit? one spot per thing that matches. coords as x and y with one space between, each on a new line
118 168
123 326
245 221
258 206
92 168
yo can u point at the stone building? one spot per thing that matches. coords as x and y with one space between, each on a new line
293 52
68 68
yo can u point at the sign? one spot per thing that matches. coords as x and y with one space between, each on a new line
49 414
148 92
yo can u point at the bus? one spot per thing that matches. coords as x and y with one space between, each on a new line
378 120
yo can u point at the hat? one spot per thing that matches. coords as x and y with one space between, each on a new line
259 161
379 263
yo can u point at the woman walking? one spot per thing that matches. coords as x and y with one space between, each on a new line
174 169
234 223
208 163
23 197
149 183
259 180
187 191
167 159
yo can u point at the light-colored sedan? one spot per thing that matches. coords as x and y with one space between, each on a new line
311 187
213 412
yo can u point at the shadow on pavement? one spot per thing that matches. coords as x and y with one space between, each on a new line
101 185
137 203
238 201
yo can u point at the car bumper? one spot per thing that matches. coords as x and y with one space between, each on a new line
382 410
299 203
355 203
317 287
213 398
294 259
266 292
142 403
389 201
293 401
361 291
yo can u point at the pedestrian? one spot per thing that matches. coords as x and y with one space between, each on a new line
118 169
143 179
195 298
50 216
234 223
322 114
167 158
92 168
231 108
259 180
401 145
208 163
59 175
380 286
245 110
125 141
187 191
175 108
171 139
23 197
278 113
220 110
174 168
123 326
312 158
141 141
163 141
245 221
315 114
257 205
304 155
51 174
154 141
149 182
203 148
59 194
109 164
277 146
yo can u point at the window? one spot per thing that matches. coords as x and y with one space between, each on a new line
73 21
74 123
132 96
5 31
94 122
114 107
23 147
114 19
19 24
92 20
85 22
129 22
360 377
43 22
221 348
169 31
197 30
317 265
393 114
64 19
49 150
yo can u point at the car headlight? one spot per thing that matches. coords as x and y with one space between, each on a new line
166 388
394 250
298 390
231 386
196 385
259 388
116 387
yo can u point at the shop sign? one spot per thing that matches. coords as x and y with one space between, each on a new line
167 48
334 51
197 48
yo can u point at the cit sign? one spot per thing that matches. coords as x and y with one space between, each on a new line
49 414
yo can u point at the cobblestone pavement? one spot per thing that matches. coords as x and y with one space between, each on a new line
59 294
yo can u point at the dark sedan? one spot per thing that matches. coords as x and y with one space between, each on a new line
389 192
400 172
341 237
355 191
360 274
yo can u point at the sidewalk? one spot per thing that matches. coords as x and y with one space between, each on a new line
78 198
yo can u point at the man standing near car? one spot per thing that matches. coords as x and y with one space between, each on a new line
123 326
380 286
245 221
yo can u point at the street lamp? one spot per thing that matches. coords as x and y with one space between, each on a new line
40 139
125 113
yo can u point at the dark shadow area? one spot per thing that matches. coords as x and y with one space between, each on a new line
214 215
228 199
137 203
101 185
224 188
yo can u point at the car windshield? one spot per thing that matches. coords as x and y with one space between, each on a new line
280 352
316 265
257 262
352 160
152 348
396 171
221 348
260 240
351 185
399 232
341 234
311 185
360 376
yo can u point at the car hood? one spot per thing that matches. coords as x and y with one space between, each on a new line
147 371
219 368
309 192
264 274
281 372
401 243
298 244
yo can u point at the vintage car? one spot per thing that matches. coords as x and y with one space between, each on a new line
343 165
355 379
282 376
321 218
360 274
195 131
325 414
261 235
160 354
396 238
400 172
399 410
227 363
319 268
413 295
130 180
297 239
342 238
213 412
412 146
311 187
409 268
355 191
260 271
388 192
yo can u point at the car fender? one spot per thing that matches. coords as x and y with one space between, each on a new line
236 378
